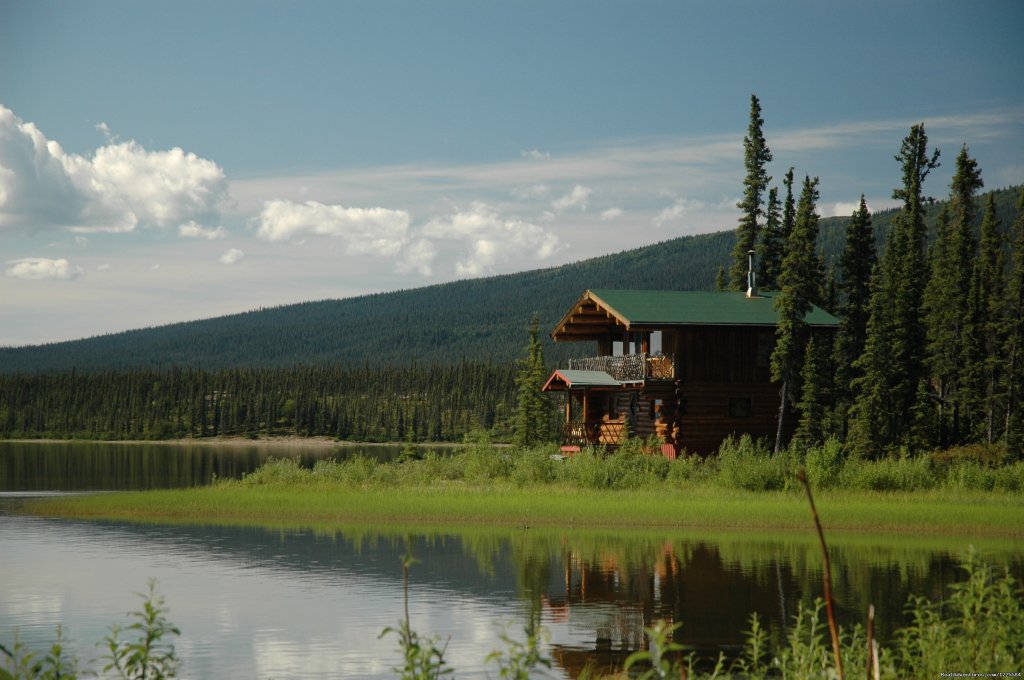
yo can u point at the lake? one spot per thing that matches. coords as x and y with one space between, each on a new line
293 603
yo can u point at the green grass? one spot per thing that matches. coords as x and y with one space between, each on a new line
337 504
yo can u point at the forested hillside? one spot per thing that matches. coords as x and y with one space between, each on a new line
479 319
435 403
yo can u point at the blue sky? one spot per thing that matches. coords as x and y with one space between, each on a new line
165 161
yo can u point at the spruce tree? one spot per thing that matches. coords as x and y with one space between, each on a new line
893 362
988 300
789 207
772 246
946 297
532 418
720 282
1013 377
856 264
756 155
798 286
813 398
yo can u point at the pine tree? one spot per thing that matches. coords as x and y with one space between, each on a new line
789 207
720 282
756 155
892 364
772 246
988 329
532 418
1013 379
798 286
810 431
856 264
947 294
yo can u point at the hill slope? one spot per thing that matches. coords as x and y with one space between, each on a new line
475 319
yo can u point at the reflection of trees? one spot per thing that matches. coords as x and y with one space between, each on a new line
607 596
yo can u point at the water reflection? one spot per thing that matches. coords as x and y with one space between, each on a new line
293 603
108 466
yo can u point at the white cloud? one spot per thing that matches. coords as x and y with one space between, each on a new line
372 231
535 154
121 186
81 241
418 257
231 256
491 238
611 214
576 198
103 267
36 268
531 191
195 230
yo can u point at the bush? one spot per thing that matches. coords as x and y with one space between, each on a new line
888 474
748 464
824 464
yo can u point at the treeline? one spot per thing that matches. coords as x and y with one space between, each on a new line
930 349
368 403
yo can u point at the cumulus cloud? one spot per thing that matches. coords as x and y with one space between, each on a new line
419 257
372 231
532 191
611 214
37 268
103 267
231 256
195 230
120 187
491 238
576 198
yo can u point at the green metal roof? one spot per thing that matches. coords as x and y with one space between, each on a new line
575 378
670 307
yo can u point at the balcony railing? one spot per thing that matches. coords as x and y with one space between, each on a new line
628 368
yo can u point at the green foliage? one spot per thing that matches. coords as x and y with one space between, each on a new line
20 663
756 156
661 659
980 625
150 654
746 463
518 659
422 659
825 463
532 423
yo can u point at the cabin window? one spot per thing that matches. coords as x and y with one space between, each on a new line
765 345
739 407
656 342
617 348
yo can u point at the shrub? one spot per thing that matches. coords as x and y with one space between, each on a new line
748 464
824 463
888 474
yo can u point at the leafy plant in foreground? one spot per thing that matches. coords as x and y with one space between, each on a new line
150 656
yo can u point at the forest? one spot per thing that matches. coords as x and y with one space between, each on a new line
367 403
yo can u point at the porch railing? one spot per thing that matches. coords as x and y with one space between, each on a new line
628 368
575 434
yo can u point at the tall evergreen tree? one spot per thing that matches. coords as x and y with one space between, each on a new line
813 398
772 245
988 329
798 286
1014 351
892 363
532 418
756 155
946 297
789 206
856 264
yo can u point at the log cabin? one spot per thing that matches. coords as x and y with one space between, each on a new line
690 368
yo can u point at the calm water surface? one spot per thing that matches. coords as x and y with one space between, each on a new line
254 603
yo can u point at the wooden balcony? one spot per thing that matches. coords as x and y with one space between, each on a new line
628 368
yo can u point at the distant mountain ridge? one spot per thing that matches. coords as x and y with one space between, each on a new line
480 319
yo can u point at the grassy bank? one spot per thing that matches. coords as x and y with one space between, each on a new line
290 496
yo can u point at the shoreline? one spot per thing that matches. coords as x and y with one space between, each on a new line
286 440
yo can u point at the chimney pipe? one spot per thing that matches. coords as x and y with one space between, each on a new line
751 283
